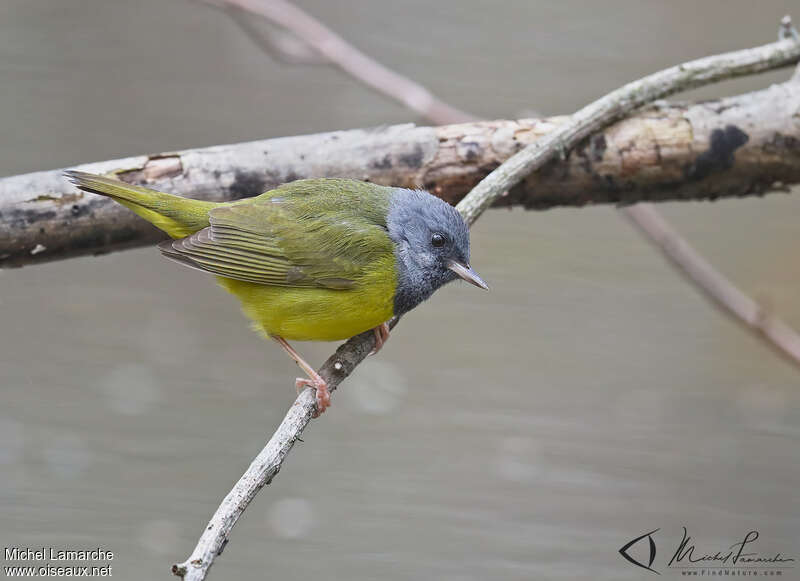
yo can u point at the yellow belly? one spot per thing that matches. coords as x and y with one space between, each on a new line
316 314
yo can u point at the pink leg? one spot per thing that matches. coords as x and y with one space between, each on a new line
381 336
314 380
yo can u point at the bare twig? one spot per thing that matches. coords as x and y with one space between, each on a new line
261 471
280 44
787 31
354 62
268 462
587 120
716 287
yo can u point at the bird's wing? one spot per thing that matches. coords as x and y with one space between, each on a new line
277 244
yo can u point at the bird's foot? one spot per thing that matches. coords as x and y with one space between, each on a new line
313 380
321 386
381 336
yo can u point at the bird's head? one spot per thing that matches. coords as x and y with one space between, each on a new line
431 246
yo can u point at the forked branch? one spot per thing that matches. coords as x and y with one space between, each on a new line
566 136
643 216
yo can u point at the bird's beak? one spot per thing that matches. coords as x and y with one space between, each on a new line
465 271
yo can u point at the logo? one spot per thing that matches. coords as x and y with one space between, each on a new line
744 557
624 551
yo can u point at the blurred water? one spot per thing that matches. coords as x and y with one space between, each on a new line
524 433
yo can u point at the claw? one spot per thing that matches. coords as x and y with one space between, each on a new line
313 380
381 336
323 394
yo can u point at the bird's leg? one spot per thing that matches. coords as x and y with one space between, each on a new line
381 336
314 380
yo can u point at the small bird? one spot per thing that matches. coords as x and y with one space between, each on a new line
312 260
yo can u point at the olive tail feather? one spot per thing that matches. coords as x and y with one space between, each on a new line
175 215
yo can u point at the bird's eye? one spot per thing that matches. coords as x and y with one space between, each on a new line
437 240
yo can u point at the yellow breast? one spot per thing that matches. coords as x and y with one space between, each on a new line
319 314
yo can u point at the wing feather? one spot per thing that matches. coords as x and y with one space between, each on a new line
281 244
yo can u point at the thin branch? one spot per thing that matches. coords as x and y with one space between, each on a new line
352 61
261 471
787 31
268 462
716 287
568 135
281 45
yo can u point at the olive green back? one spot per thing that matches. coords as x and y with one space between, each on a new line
309 233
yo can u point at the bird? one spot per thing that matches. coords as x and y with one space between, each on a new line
319 259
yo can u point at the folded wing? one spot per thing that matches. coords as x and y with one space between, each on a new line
273 243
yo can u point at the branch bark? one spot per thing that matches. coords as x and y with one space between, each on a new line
666 152
515 169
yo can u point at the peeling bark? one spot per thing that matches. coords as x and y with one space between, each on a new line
738 146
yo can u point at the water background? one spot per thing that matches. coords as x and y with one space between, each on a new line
526 433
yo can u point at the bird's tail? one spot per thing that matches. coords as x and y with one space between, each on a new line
177 216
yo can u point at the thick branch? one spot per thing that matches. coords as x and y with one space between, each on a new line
566 136
671 151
